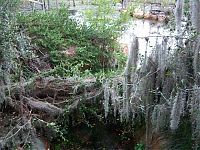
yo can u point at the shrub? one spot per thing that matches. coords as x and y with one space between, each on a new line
73 48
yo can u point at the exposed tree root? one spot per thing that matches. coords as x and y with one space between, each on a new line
46 97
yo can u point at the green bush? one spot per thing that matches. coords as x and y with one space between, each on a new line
56 34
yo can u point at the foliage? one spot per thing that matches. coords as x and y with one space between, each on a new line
73 48
90 50
8 49
140 147
86 127
84 118
104 18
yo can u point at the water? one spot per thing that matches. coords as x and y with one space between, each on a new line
149 33
143 29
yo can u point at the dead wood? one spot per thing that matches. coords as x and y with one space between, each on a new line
50 95
51 87
43 106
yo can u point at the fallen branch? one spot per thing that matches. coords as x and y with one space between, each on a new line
53 87
43 106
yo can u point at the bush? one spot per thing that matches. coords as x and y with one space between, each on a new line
73 48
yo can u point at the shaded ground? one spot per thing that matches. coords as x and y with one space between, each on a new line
8 119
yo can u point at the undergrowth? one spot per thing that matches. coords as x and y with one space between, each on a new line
73 49
86 127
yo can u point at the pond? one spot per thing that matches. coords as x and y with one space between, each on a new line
150 33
